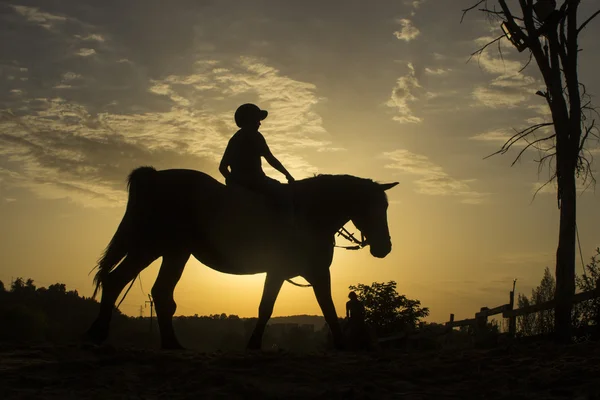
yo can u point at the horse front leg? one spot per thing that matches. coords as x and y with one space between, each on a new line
321 283
270 292
162 292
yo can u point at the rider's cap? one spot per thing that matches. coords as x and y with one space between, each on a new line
249 114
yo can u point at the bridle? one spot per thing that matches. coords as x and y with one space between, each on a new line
359 244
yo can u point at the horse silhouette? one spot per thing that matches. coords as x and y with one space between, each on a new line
177 213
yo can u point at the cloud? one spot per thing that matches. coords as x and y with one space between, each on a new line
495 98
408 31
510 88
432 179
43 19
414 4
402 95
437 71
495 137
84 52
92 37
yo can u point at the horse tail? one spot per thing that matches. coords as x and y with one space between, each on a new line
138 183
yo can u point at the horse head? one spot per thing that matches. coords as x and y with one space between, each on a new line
370 217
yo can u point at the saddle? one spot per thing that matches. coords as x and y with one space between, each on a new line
275 195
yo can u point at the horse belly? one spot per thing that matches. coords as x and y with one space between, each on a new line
256 244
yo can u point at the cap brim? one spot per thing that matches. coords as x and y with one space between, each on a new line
263 114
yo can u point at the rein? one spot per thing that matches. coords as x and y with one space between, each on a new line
343 232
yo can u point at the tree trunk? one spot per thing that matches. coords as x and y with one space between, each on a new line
565 254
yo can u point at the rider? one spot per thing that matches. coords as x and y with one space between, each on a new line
241 163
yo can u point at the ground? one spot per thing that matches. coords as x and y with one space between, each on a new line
532 371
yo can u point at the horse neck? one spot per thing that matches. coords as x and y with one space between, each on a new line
324 205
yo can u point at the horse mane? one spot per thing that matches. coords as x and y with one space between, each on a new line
342 184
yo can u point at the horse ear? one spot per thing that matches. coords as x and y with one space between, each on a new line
387 186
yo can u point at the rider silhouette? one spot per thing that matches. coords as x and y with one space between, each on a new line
241 162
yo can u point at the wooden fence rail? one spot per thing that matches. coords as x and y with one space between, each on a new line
507 310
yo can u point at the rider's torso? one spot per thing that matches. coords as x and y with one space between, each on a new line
246 149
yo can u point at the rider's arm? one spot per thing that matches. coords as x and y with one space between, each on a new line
224 166
274 162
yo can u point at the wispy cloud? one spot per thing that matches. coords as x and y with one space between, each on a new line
92 37
497 137
41 18
436 71
414 4
510 88
408 31
85 52
432 179
402 96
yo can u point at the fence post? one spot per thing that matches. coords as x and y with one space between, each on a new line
449 323
512 321
481 322
481 325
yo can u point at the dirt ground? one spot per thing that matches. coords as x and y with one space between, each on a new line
534 371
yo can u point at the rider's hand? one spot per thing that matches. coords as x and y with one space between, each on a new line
290 179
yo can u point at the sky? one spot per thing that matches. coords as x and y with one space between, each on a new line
90 90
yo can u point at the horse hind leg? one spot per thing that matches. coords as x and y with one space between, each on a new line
114 283
162 292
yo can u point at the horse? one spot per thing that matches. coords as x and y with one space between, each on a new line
177 213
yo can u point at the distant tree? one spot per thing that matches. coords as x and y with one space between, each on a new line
542 322
19 285
525 323
386 310
543 293
59 288
588 312
2 288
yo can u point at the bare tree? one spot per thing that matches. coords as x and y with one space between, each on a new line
551 33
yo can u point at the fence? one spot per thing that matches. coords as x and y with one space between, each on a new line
479 322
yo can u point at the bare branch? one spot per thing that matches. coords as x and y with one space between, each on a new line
594 15
477 52
543 186
498 14
528 61
548 157
530 145
521 135
466 10
586 166
586 134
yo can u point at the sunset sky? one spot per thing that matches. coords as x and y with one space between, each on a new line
377 89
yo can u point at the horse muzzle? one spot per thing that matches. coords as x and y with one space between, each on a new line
381 250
